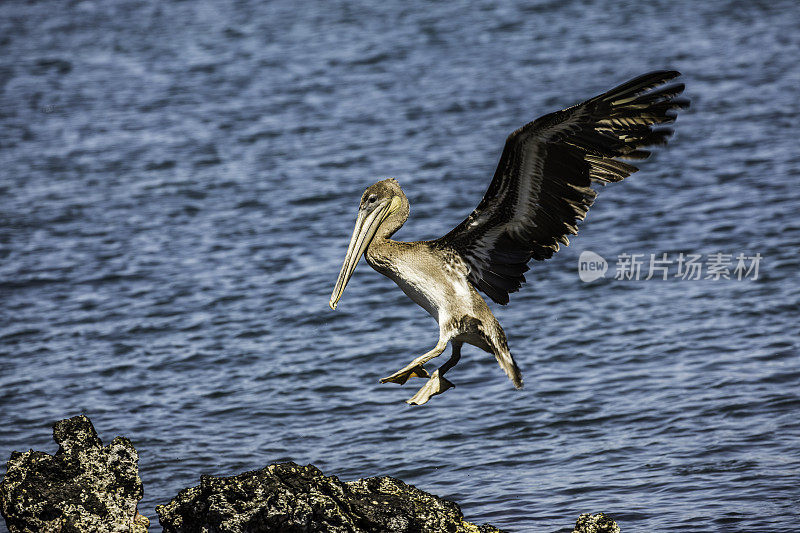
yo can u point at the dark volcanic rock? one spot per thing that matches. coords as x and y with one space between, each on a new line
595 523
84 487
289 498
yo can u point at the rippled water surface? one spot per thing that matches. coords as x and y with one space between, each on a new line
179 181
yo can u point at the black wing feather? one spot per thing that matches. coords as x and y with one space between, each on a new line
542 185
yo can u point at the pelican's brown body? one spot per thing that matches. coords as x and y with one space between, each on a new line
540 191
435 278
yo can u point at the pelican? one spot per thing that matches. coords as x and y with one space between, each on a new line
540 190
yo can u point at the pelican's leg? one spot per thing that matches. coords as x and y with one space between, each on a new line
414 368
437 384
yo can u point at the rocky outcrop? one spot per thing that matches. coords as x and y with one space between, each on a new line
289 498
85 487
597 523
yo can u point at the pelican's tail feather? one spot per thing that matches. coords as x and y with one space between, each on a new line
509 366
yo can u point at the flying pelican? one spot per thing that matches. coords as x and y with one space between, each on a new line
540 190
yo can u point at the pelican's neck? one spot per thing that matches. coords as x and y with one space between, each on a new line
378 252
382 249
382 252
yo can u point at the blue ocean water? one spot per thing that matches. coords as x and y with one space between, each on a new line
178 181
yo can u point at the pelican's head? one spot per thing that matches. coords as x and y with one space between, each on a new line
382 211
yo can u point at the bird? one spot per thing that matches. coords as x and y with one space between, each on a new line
541 189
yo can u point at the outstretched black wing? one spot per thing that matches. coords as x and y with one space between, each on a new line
542 185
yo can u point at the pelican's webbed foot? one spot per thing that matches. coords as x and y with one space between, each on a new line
437 384
403 375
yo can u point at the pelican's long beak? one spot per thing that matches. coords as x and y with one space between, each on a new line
366 225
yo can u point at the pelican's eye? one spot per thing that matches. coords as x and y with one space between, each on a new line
372 199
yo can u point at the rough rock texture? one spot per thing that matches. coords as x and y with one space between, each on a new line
595 523
289 498
84 487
